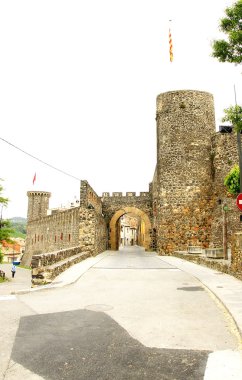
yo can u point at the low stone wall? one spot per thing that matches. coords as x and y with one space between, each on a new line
46 266
216 264
45 259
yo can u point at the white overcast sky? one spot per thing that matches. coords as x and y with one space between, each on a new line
78 87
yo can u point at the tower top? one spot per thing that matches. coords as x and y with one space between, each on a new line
36 193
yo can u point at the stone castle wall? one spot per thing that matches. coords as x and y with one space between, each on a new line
92 231
52 233
224 156
115 202
82 226
89 198
185 124
237 254
92 228
184 204
38 204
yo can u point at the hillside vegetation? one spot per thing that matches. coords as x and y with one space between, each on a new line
18 224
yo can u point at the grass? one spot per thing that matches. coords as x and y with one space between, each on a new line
17 234
3 280
24 267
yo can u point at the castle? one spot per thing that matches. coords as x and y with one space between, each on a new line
184 202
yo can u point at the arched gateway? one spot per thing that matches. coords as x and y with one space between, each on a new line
137 206
143 237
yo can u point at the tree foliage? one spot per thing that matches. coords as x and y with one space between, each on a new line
232 180
233 114
5 226
230 50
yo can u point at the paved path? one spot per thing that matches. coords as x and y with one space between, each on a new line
21 280
126 315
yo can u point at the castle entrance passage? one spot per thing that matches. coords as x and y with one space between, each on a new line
129 226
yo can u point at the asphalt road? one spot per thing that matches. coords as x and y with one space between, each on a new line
130 316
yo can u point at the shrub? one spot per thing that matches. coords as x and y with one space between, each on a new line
232 180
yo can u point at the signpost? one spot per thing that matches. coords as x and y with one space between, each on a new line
225 244
239 201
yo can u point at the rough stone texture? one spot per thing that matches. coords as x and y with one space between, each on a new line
89 198
46 267
92 231
217 264
185 202
51 233
139 205
236 251
38 204
185 124
49 258
83 227
224 156
111 204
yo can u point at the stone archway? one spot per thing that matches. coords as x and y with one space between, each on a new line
145 227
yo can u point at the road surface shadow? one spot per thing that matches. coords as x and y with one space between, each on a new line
89 345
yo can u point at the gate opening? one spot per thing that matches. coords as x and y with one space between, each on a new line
128 227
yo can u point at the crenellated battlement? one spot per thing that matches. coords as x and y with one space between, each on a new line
180 208
127 194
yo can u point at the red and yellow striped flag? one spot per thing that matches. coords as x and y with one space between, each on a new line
170 46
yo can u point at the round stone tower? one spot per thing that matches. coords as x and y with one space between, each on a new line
185 124
38 204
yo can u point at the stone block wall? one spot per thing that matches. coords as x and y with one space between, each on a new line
47 266
92 231
110 204
49 258
224 156
89 198
185 124
38 204
51 233
236 253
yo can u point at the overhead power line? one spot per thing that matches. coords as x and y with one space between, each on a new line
38 159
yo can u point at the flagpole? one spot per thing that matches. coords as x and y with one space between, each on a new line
170 42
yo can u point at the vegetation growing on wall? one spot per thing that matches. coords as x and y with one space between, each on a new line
232 180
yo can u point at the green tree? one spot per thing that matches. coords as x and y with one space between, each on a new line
5 226
233 114
232 180
230 50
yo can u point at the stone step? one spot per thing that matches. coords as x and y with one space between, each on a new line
46 274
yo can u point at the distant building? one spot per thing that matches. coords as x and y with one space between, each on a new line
128 230
13 251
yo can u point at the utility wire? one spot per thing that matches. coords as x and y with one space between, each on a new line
38 159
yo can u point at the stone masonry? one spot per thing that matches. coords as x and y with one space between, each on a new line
185 202
185 125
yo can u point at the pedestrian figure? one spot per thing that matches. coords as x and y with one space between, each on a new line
13 270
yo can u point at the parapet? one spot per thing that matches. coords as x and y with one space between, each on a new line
39 193
127 194
38 204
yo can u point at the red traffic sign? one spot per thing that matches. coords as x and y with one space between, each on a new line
239 201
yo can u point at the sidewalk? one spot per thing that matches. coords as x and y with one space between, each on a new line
22 279
226 288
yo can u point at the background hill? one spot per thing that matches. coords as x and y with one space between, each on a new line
19 226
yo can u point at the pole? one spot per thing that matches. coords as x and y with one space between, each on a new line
225 242
239 147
